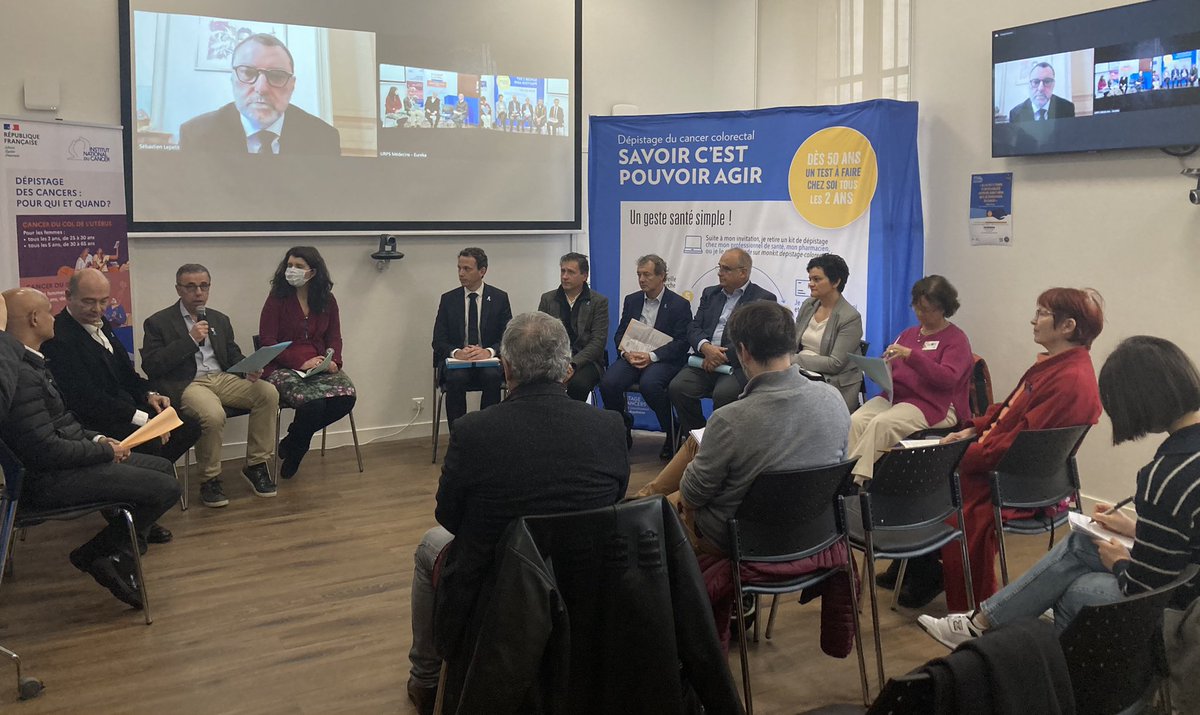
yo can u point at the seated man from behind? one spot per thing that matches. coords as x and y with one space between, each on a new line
97 380
668 312
584 313
67 465
720 376
537 452
782 422
186 349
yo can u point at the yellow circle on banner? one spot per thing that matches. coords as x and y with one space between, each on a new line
833 177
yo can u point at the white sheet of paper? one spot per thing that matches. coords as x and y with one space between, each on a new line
1085 525
642 338
697 434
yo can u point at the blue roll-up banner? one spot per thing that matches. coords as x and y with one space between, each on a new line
784 184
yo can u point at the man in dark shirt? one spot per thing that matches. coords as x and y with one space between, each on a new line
538 452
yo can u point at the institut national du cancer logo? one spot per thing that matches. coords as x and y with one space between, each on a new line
82 150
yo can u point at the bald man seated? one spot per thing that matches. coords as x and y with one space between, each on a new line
67 465
95 375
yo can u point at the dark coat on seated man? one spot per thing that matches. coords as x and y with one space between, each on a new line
221 131
537 452
450 334
103 389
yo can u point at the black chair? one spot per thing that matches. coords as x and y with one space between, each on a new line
1037 472
863 347
279 416
14 475
787 516
672 426
22 517
901 514
1111 650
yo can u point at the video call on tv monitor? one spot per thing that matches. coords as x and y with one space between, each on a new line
1121 78
351 116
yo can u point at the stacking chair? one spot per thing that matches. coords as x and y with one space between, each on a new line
18 517
14 474
672 426
279 416
901 514
1111 650
1037 471
788 516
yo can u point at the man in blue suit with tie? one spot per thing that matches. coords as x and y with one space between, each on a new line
665 311
719 376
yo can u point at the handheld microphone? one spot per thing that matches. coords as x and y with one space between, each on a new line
201 314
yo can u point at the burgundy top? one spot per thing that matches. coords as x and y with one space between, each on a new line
936 374
282 319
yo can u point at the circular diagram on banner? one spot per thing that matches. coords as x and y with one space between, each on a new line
833 176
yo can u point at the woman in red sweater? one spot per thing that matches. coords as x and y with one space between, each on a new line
1058 391
302 309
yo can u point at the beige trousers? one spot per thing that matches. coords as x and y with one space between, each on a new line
208 396
878 425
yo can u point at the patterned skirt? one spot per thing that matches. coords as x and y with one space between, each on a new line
295 391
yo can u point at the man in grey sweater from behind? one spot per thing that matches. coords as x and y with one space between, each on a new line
782 422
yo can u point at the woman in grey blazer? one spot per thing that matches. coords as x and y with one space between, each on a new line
829 328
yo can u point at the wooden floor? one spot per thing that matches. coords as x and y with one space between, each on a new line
300 604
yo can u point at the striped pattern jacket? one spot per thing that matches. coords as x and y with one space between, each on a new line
1168 525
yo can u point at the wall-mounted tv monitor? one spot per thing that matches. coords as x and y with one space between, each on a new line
1121 78
276 115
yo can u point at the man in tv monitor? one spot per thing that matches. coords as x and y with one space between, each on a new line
1042 104
261 118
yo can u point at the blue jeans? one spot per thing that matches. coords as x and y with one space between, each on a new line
1068 578
426 663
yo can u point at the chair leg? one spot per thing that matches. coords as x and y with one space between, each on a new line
966 560
354 436
187 478
875 607
278 417
899 584
137 563
747 697
322 441
27 688
855 602
999 527
437 419
757 620
771 619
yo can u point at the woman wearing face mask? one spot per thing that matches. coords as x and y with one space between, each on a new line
301 308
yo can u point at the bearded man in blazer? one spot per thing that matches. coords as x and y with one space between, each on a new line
469 325
186 350
584 313
261 118
709 340
667 312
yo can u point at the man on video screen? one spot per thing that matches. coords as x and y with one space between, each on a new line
1042 104
261 118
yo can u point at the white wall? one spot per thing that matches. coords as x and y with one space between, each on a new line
1118 221
662 56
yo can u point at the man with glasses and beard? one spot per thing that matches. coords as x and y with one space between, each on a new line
261 118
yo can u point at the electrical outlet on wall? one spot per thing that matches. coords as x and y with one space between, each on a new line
418 405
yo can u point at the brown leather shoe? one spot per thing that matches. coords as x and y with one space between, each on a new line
423 697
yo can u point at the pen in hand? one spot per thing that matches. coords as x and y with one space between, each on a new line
1118 505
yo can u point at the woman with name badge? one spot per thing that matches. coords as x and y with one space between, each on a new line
308 373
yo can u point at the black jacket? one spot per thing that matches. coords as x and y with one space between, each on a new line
40 430
450 325
537 452
11 354
169 353
674 316
101 388
220 132
602 611
712 304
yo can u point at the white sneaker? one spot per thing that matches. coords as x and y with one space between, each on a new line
951 631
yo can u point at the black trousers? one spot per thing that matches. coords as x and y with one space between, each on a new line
315 415
144 483
457 383
585 379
